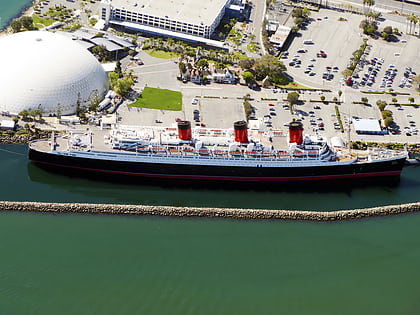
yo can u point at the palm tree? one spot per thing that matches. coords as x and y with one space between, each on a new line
369 3
411 19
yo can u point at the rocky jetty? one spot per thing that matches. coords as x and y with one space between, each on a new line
23 138
247 214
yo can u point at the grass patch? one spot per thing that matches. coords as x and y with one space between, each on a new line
40 22
293 85
159 99
162 54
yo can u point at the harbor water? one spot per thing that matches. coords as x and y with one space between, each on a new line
10 10
93 264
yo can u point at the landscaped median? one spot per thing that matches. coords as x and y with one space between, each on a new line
229 213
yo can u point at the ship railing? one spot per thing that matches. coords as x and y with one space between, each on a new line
131 156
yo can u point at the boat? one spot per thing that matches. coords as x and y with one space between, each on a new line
236 154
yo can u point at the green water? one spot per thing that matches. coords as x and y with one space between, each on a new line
77 264
10 9
93 264
26 181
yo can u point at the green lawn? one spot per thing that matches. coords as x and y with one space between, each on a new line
293 85
40 22
159 99
161 54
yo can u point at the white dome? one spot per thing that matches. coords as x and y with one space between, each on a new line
44 70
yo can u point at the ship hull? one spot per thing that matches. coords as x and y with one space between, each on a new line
166 171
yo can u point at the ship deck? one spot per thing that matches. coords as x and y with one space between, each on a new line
99 140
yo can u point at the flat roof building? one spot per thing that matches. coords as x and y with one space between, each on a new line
280 36
368 126
191 17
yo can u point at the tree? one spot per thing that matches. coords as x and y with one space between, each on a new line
248 77
118 69
27 23
381 105
101 53
368 27
299 21
416 80
388 121
35 113
411 100
270 66
364 99
24 114
322 98
59 111
246 63
347 72
394 100
339 94
292 98
123 85
182 67
369 3
388 29
16 26
385 36
202 63
78 106
94 100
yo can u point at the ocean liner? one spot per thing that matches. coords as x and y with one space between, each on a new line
204 154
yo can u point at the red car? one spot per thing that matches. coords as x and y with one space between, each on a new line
270 104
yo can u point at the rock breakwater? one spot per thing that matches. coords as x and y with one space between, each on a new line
246 214
22 139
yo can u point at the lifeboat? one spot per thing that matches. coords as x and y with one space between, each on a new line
188 149
253 153
172 149
312 153
143 149
267 154
159 150
219 152
235 153
298 154
204 152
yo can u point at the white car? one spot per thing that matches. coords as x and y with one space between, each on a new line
194 101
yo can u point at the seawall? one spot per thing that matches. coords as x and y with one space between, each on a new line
245 214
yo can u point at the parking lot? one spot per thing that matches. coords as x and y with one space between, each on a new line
219 105
324 42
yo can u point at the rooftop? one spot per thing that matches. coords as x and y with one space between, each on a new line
189 11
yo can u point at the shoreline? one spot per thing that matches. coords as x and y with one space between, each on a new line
226 213
25 11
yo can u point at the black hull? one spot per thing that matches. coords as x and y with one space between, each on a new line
192 173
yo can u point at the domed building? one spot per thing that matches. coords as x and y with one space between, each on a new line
47 71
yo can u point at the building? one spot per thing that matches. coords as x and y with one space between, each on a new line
368 126
49 72
280 35
189 17
7 125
